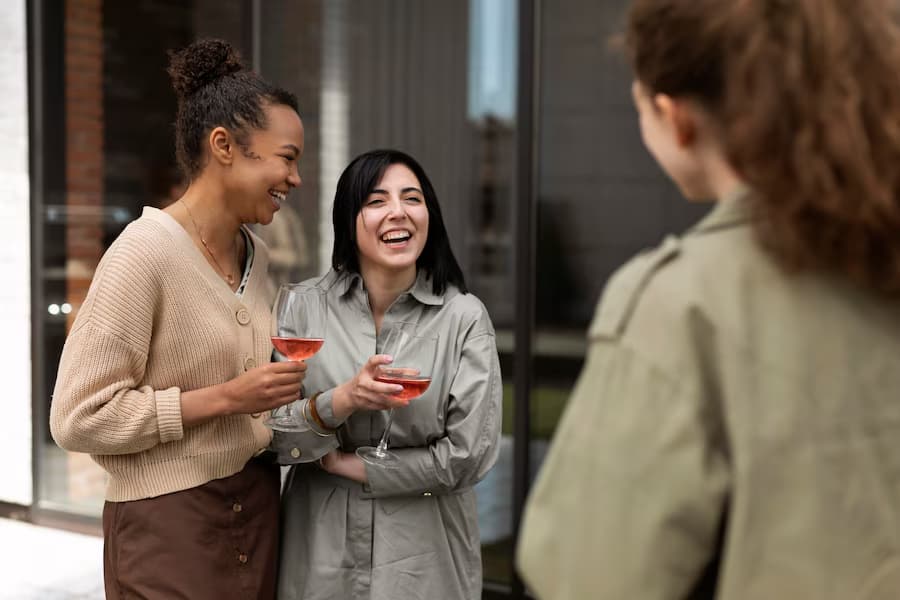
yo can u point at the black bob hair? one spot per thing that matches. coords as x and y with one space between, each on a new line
354 186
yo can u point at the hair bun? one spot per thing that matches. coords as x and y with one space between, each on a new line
200 64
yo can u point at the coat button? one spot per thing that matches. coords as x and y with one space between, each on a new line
236 507
295 452
242 558
255 415
243 316
250 363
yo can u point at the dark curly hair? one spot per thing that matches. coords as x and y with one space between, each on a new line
215 89
806 94
354 186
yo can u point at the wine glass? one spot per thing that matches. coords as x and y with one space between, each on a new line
413 355
298 332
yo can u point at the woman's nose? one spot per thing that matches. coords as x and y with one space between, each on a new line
396 208
294 179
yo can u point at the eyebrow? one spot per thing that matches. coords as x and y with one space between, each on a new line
403 191
292 147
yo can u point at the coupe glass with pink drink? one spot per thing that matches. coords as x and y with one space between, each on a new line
414 354
298 332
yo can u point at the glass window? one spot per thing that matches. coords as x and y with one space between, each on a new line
107 150
601 197
431 79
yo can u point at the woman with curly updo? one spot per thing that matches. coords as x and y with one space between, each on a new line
166 372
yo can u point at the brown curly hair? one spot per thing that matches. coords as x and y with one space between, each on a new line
806 94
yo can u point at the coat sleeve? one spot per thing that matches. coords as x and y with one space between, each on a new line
630 499
469 446
293 447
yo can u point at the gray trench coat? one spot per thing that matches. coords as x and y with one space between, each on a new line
412 532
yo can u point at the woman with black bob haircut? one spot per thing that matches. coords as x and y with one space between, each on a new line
362 529
353 188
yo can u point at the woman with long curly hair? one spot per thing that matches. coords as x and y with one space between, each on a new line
736 429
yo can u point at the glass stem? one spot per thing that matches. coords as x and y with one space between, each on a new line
383 444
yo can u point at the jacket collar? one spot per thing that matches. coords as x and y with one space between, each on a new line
732 210
421 289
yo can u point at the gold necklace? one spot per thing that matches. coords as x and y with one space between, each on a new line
228 276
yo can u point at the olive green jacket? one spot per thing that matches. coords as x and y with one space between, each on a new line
735 433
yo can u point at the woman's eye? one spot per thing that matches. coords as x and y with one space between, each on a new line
374 201
414 199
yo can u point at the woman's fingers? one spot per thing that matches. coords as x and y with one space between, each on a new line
279 368
379 387
289 389
279 375
371 366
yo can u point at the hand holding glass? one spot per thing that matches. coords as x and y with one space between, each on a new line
298 332
414 356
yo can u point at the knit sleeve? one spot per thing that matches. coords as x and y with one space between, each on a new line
99 404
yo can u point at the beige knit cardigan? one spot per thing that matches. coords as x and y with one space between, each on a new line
158 320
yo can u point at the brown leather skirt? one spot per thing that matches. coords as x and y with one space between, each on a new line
218 540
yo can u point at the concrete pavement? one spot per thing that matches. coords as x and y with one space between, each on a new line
40 563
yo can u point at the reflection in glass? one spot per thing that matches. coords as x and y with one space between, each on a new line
107 150
601 198
437 80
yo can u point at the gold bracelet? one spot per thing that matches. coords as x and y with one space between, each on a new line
311 423
314 412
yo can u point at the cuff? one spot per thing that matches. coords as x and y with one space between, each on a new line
326 409
168 415
294 447
416 475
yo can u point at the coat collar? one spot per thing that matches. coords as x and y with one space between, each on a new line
732 210
421 289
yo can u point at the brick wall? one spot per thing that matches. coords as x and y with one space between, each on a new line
84 143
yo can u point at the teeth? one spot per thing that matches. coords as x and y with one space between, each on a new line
395 235
278 196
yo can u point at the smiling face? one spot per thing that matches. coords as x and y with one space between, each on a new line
392 225
268 168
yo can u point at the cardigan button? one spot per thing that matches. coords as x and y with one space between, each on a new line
295 452
250 363
243 316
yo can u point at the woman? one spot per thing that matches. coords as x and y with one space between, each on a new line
166 369
358 530
735 432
